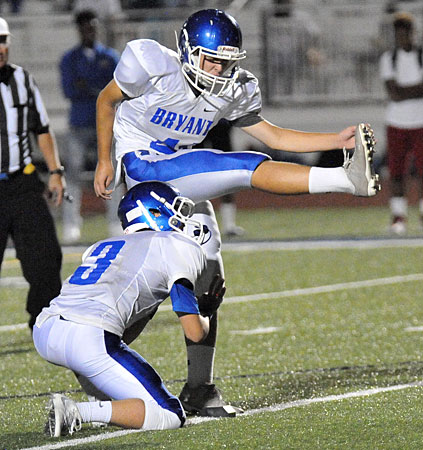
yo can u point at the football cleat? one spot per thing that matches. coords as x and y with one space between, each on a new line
359 168
235 231
206 400
63 416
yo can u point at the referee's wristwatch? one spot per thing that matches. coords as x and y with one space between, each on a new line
59 171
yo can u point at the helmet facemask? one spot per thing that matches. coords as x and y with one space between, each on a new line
181 220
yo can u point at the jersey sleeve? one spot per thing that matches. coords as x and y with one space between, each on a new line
141 61
130 75
38 120
185 259
248 120
248 98
386 68
183 299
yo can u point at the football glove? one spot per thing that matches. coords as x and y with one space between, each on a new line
209 302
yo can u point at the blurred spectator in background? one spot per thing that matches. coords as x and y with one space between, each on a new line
402 71
24 213
85 70
380 42
14 6
220 137
107 11
103 8
384 39
296 56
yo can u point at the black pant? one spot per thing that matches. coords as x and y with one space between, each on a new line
24 215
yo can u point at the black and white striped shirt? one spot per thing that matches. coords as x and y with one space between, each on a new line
22 111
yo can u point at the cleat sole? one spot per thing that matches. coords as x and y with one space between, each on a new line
369 142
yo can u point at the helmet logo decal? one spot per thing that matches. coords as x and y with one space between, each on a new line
228 49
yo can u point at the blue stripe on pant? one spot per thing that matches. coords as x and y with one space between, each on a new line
198 174
145 374
189 162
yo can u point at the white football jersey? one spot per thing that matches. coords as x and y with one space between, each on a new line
162 110
123 279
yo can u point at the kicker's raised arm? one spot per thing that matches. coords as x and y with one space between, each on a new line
299 141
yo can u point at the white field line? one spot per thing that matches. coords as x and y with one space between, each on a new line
257 331
326 288
18 326
305 291
411 329
74 253
321 244
268 409
20 281
16 282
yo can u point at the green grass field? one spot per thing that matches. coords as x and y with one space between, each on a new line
280 223
341 365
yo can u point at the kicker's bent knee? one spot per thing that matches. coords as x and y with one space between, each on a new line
158 418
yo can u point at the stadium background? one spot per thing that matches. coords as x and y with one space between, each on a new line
323 330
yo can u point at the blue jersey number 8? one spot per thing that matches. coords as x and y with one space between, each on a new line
106 252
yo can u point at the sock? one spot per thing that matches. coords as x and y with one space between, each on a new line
399 206
228 213
95 411
200 364
201 357
333 179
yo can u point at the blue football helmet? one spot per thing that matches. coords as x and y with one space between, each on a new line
215 34
157 206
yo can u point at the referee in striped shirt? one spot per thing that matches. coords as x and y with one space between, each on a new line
24 213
